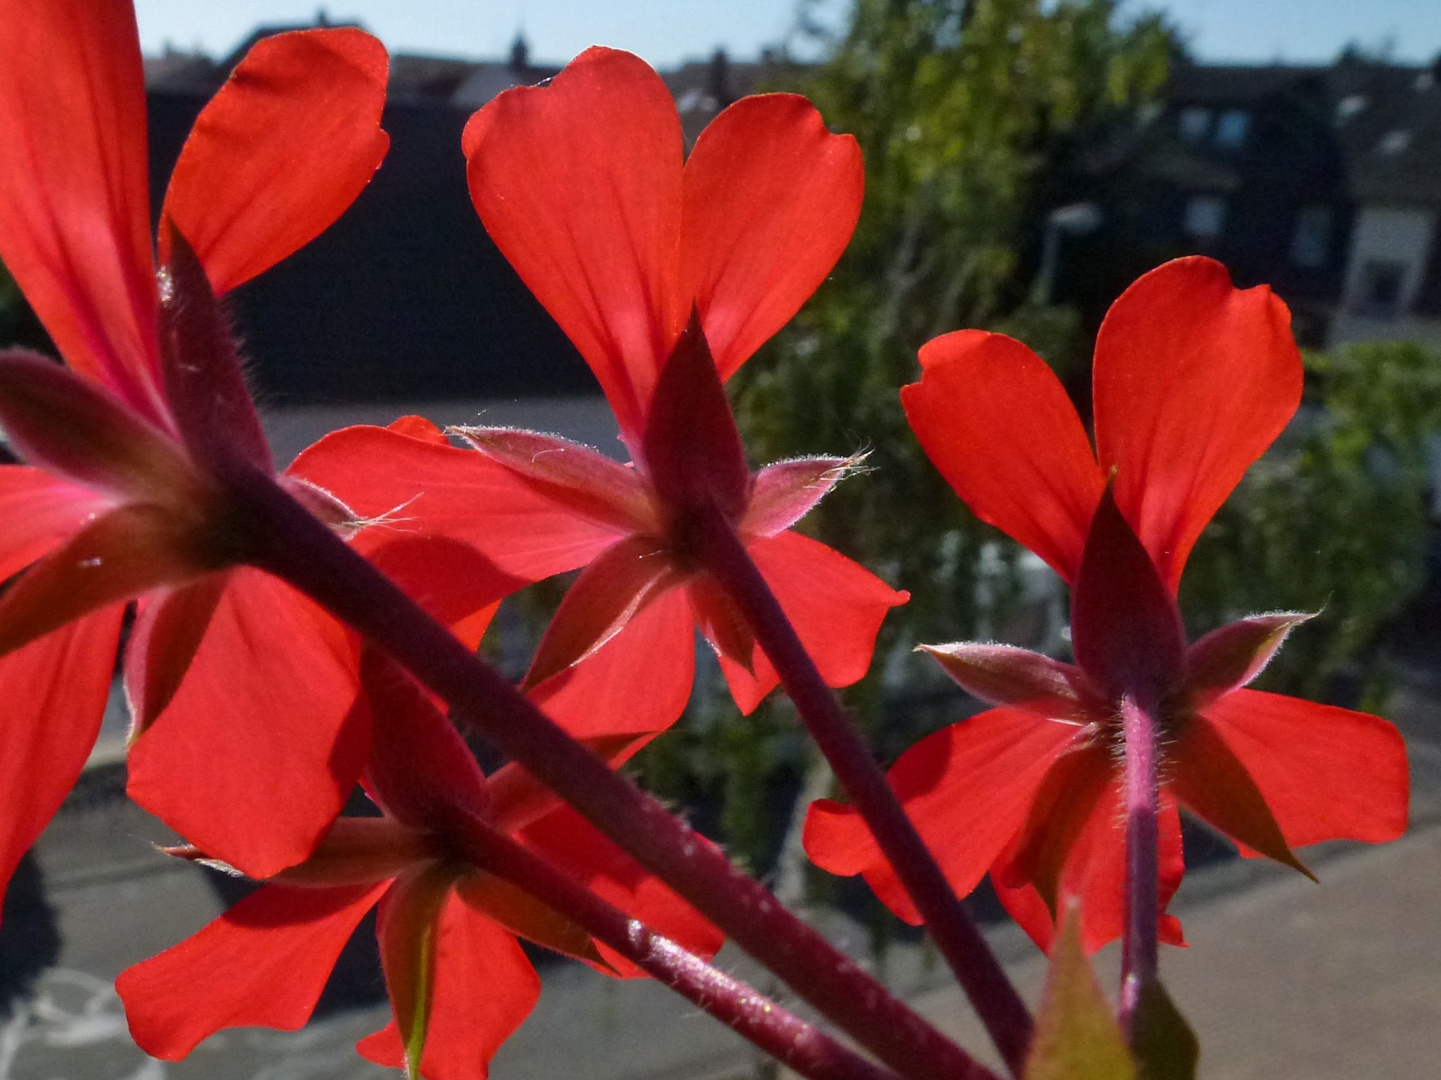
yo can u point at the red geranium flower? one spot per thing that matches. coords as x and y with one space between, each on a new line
130 444
584 185
1193 379
459 983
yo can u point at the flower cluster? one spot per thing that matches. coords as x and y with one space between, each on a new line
295 635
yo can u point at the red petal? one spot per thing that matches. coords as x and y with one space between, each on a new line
1326 773
1125 627
995 420
691 449
836 606
54 692
771 199
280 152
39 511
638 681
1207 777
1006 675
123 554
785 491
454 583
407 486
484 990
263 963
967 788
1065 801
254 757
167 631
74 200
579 478
1095 874
1193 380
418 427
572 844
579 185
618 583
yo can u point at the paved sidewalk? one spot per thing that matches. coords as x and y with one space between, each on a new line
1285 979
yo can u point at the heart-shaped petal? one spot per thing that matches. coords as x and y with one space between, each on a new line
280 152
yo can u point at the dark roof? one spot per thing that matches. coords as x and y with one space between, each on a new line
405 297
1386 117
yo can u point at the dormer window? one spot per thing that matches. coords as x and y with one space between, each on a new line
1204 217
1349 106
1231 128
1394 142
1311 242
1194 123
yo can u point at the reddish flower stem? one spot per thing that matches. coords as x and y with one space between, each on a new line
1139 946
787 1038
995 999
283 539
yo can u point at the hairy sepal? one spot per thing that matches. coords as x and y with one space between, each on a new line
204 382
1231 656
1125 626
786 491
71 428
692 449
1010 676
578 477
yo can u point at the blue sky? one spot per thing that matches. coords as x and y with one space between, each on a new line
666 31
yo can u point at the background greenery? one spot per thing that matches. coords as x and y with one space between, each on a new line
976 119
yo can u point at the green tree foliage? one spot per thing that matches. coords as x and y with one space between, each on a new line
973 118
1335 519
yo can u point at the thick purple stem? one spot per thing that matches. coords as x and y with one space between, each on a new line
995 999
781 1034
285 540
1139 945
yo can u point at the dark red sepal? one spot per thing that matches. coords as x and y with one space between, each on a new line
1125 627
692 449
204 382
420 769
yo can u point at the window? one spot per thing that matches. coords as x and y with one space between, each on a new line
1231 128
1394 142
1349 106
1311 242
1380 291
1204 217
1194 123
